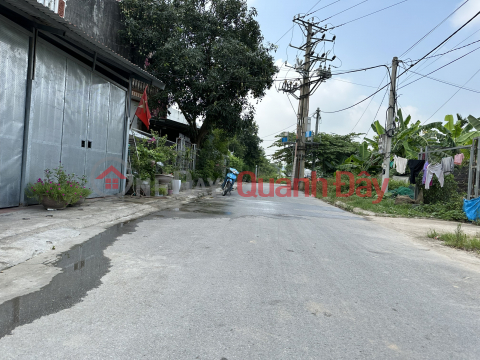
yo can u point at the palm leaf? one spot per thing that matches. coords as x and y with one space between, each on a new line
379 129
466 129
400 118
474 122
462 139
407 120
449 125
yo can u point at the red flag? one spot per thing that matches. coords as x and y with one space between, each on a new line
143 113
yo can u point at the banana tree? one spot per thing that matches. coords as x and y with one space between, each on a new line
363 160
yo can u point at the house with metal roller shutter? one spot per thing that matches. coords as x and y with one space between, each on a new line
64 97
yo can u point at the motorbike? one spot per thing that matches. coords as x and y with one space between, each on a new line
231 177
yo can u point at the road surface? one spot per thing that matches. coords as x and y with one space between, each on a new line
231 278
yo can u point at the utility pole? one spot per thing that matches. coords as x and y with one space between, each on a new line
390 119
316 133
303 108
307 84
316 123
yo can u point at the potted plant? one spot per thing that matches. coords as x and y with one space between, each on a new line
58 189
162 191
154 159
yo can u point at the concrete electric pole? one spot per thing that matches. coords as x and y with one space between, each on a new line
310 80
318 118
316 133
390 119
303 108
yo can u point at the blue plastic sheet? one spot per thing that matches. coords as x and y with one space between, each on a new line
472 208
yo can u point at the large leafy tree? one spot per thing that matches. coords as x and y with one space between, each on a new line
210 54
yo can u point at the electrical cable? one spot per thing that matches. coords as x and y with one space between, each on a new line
461 47
294 24
349 82
318 2
383 99
441 67
424 36
351 7
332 112
373 97
451 97
447 83
276 132
425 65
320 9
361 17
443 42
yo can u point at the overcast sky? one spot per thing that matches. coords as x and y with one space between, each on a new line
371 41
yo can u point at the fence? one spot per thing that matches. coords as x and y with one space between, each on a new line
187 152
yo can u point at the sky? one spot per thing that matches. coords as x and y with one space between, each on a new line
371 41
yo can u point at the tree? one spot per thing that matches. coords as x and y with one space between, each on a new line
210 55
332 151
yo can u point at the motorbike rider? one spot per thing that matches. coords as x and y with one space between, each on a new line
231 174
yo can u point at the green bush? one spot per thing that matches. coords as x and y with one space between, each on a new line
437 194
395 184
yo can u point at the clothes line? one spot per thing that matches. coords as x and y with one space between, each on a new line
446 149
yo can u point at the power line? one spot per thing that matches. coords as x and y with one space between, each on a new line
449 51
383 99
361 17
321 8
276 132
447 83
424 36
312 8
443 42
349 82
373 97
357 70
351 7
425 65
294 24
441 67
451 97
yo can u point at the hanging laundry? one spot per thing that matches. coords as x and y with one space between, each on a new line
472 208
425 173
415 167
434 169
447 165
400 164
458 159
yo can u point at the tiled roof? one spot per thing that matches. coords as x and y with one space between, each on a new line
50 18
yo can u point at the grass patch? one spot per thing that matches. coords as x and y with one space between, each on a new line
458 239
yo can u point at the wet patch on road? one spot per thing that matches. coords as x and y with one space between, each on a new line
83 267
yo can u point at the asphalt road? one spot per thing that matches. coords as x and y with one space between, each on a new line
249 278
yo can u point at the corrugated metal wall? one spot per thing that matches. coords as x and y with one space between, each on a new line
13 87
75 120
115 138
76 117
47 111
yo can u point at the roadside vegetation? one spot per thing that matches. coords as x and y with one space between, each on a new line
445 204
457 239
